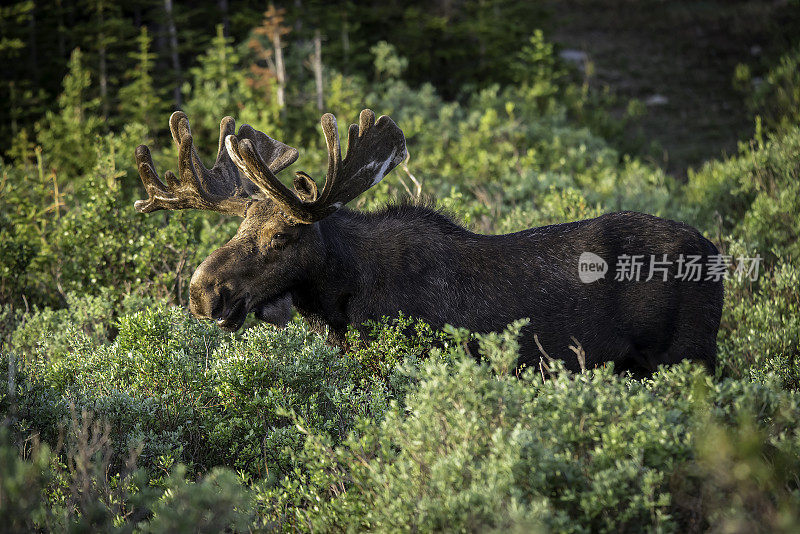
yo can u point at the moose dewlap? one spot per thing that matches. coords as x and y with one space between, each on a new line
618 284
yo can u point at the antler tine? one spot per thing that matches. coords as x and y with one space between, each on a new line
216 189
153 186
331 131
247 154
223 178
373 149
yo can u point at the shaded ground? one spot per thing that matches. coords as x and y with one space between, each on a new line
680 56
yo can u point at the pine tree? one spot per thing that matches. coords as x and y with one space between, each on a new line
272 28
12 19
68 135
139 101
105 34
268 72
218 88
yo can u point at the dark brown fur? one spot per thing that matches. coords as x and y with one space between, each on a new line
340 268
351 267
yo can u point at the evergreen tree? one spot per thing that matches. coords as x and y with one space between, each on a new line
68 135
218 88
268 71
139 101
13 19
15 90
105 35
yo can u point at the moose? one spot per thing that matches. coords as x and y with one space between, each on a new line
304 249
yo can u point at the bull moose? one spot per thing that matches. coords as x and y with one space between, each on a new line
338 267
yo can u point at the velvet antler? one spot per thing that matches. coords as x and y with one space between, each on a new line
217 189
373 149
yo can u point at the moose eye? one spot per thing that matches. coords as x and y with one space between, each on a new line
279 240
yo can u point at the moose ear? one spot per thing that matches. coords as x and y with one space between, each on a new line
305 187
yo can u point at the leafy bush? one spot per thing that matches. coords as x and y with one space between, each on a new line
188 393
216 503
761 327
77 494
473 451
753 196
776 97
321 444
52 334
22 484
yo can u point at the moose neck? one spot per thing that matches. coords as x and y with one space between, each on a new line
323 296
370 261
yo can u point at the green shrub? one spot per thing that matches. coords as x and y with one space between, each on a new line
776 97
74 491
504 453
754 196
322 443
187 392
29 207
473 451
389 343
52 334
263 379
216 503
760 331
22 486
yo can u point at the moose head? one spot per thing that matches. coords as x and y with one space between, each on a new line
279 241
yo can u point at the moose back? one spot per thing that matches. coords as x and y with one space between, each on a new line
619 284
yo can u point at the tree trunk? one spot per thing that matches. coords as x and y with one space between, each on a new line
160 43
298 22
345 41
173 46
33 60
13 108
101 41
318 68
62 29
280 71
69 32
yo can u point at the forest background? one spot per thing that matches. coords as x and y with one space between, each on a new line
124 413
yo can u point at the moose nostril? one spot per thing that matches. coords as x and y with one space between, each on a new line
217 308
219 301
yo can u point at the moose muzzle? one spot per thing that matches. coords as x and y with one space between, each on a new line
221 290
210 298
